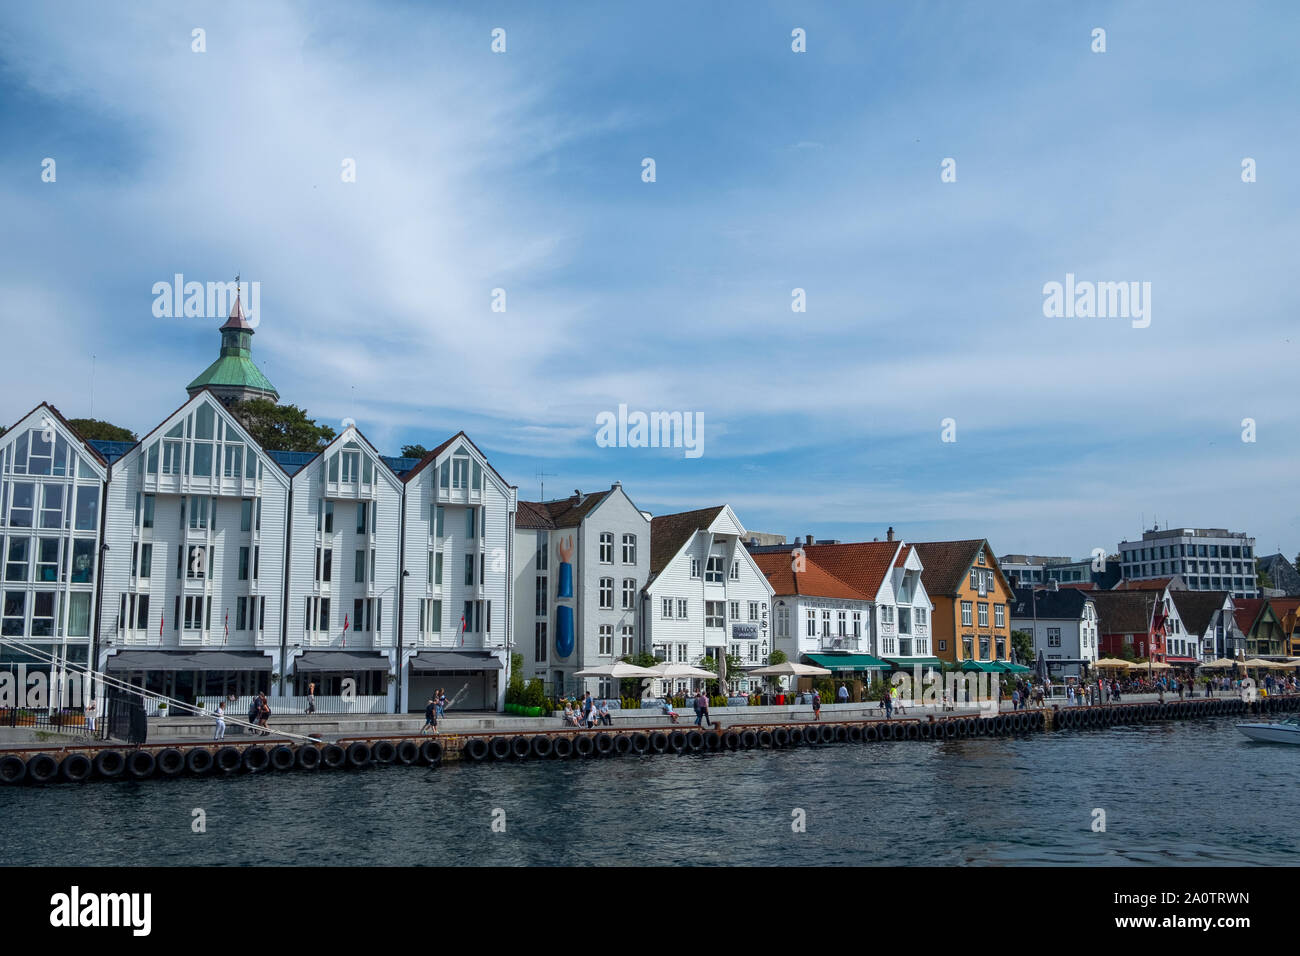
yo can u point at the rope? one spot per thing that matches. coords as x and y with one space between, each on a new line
104 680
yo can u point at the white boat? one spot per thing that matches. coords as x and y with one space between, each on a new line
1284 732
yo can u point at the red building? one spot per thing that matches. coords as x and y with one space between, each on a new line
1131 623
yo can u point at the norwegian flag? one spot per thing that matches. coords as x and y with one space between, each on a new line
345 630
161 617
462 630
226 639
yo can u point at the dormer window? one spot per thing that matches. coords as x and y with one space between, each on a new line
713 570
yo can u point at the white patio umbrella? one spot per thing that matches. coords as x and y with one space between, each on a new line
680 670
790 669
617 670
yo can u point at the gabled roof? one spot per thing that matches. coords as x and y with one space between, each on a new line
669 533
947 563
1287 611
1149 584
1282 572
433 456
1247 611
561 512
1197 608
1122 612
1067 604
813 581
91 449
531 516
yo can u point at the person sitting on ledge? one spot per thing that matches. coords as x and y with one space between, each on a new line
570 718
668 711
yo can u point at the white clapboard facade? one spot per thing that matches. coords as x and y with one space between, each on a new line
706 595
51 507
193 583
458 590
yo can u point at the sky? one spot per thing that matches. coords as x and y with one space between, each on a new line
775 170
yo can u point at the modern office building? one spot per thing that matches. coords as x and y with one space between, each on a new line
1207 559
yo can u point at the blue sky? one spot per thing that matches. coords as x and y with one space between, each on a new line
775 170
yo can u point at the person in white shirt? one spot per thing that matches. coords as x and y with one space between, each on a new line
221 722
91 712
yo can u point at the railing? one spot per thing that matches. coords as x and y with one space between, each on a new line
57 721
294 705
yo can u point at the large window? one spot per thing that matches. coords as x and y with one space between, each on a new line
539 641
18 559
607 594
15 613
606 547
629 549
713 614
984 614
967 608
713 570
629 593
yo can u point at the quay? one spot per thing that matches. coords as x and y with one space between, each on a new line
76 762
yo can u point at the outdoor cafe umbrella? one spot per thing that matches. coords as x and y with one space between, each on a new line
790 669
1259 662
680 670
617 670
1150 665
1223 663
1110 662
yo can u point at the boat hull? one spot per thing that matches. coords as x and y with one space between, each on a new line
1271 733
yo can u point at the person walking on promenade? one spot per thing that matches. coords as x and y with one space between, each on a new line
220 732
91 712
311 698
588 705
1015 699
441 700
264 713
702 710
430 717
817 705
886 704
254 712
843 695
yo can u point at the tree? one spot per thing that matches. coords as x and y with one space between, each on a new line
777 657
281 427
631 686
1262 577
1022 642
414 451
89 428
734 668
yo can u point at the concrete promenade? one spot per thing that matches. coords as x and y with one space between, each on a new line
333 726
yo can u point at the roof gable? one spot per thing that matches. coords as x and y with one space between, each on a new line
45 416
670 533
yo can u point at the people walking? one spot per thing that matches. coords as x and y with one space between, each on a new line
220 732
91 712
887 704
843 695
311 698
587 706
702 710
817 705
263 713
430 717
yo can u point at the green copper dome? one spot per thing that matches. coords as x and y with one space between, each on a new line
233 376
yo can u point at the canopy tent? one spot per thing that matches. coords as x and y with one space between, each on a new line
1110 662
845 662
1223 663
1260 662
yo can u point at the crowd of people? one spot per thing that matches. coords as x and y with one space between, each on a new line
587 712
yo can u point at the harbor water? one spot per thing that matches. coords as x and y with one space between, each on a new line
1173 793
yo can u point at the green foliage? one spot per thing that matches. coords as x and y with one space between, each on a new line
777 657
534 694
89 428
281 427
1022 642
631 686
414 451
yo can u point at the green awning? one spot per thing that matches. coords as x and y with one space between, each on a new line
1011 668
983 667
847 662
907 663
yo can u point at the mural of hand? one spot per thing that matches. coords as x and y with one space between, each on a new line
564 547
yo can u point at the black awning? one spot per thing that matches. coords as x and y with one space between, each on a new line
455 661
340 661
187 661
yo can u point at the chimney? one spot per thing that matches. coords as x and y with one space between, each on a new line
617 484
889 535
809 539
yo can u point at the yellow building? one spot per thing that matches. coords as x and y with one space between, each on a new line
972 601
